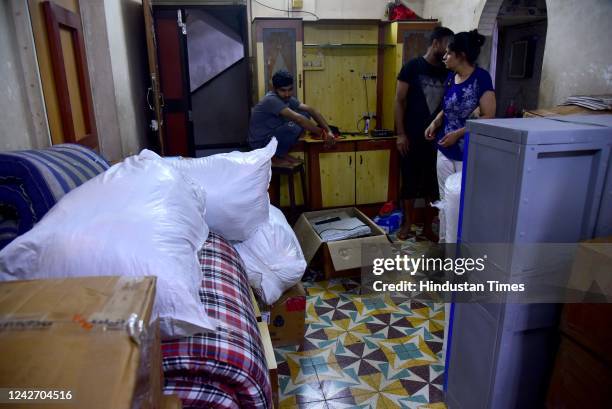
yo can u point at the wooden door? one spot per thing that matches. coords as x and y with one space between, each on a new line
60 49
337 170
173 81
154 99
372 176
278 45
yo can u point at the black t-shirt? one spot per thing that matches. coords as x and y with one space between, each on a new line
425 92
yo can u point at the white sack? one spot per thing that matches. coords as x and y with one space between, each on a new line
236 185
140 217
273 257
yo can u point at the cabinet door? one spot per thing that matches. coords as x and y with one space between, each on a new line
278 45
372 176
337 170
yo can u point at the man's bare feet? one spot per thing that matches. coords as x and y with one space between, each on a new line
404 233
280 161
285 160
292 159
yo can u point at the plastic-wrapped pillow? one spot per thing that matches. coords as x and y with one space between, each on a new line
236 185
140 217
273 257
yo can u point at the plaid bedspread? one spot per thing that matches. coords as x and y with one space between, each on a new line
225 369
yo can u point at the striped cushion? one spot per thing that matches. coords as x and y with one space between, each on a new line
32 181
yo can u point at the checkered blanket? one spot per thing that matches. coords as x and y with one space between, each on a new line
227 368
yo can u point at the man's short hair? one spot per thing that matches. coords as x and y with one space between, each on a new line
282 78
439 33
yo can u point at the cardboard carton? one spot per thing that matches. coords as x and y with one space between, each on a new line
340 258
71 335
286 317
591 268
171 402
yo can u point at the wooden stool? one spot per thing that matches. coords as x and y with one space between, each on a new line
290 170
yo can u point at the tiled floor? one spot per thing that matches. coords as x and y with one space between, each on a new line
364 351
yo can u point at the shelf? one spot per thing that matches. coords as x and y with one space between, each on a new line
339 45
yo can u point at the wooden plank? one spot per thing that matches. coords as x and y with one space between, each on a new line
153 72
256 309
270 360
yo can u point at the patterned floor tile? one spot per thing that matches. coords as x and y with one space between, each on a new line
375 351
293 403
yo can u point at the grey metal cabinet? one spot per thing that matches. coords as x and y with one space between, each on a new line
532 180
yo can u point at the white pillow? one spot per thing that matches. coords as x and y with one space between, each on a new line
236 185
140 217
273 257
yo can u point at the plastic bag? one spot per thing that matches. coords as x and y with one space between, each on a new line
273 257
236 184
140 217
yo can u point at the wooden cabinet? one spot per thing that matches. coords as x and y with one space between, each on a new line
355 171
278 45
582 376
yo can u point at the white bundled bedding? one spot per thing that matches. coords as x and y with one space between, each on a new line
140 217
273 257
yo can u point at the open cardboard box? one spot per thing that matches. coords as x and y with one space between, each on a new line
340 258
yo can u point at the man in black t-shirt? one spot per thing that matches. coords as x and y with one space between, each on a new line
420 88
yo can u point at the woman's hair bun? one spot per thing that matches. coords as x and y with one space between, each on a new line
477 37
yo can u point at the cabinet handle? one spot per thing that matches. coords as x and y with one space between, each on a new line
361 159
350 160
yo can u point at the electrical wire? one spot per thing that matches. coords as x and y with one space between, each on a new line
288 11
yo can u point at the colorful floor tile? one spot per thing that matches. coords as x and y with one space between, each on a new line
374 351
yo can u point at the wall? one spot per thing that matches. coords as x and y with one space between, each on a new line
458 15
331 9
577 58
15 128
127 48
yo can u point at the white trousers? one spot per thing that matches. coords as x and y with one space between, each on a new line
445 167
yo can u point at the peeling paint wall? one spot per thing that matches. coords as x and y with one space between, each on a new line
15 127
577 57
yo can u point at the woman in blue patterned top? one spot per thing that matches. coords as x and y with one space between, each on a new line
468 88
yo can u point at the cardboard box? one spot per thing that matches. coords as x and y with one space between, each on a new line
171 402
286 317
340 258
71 335
591 271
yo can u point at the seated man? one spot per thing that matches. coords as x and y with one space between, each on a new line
279 114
